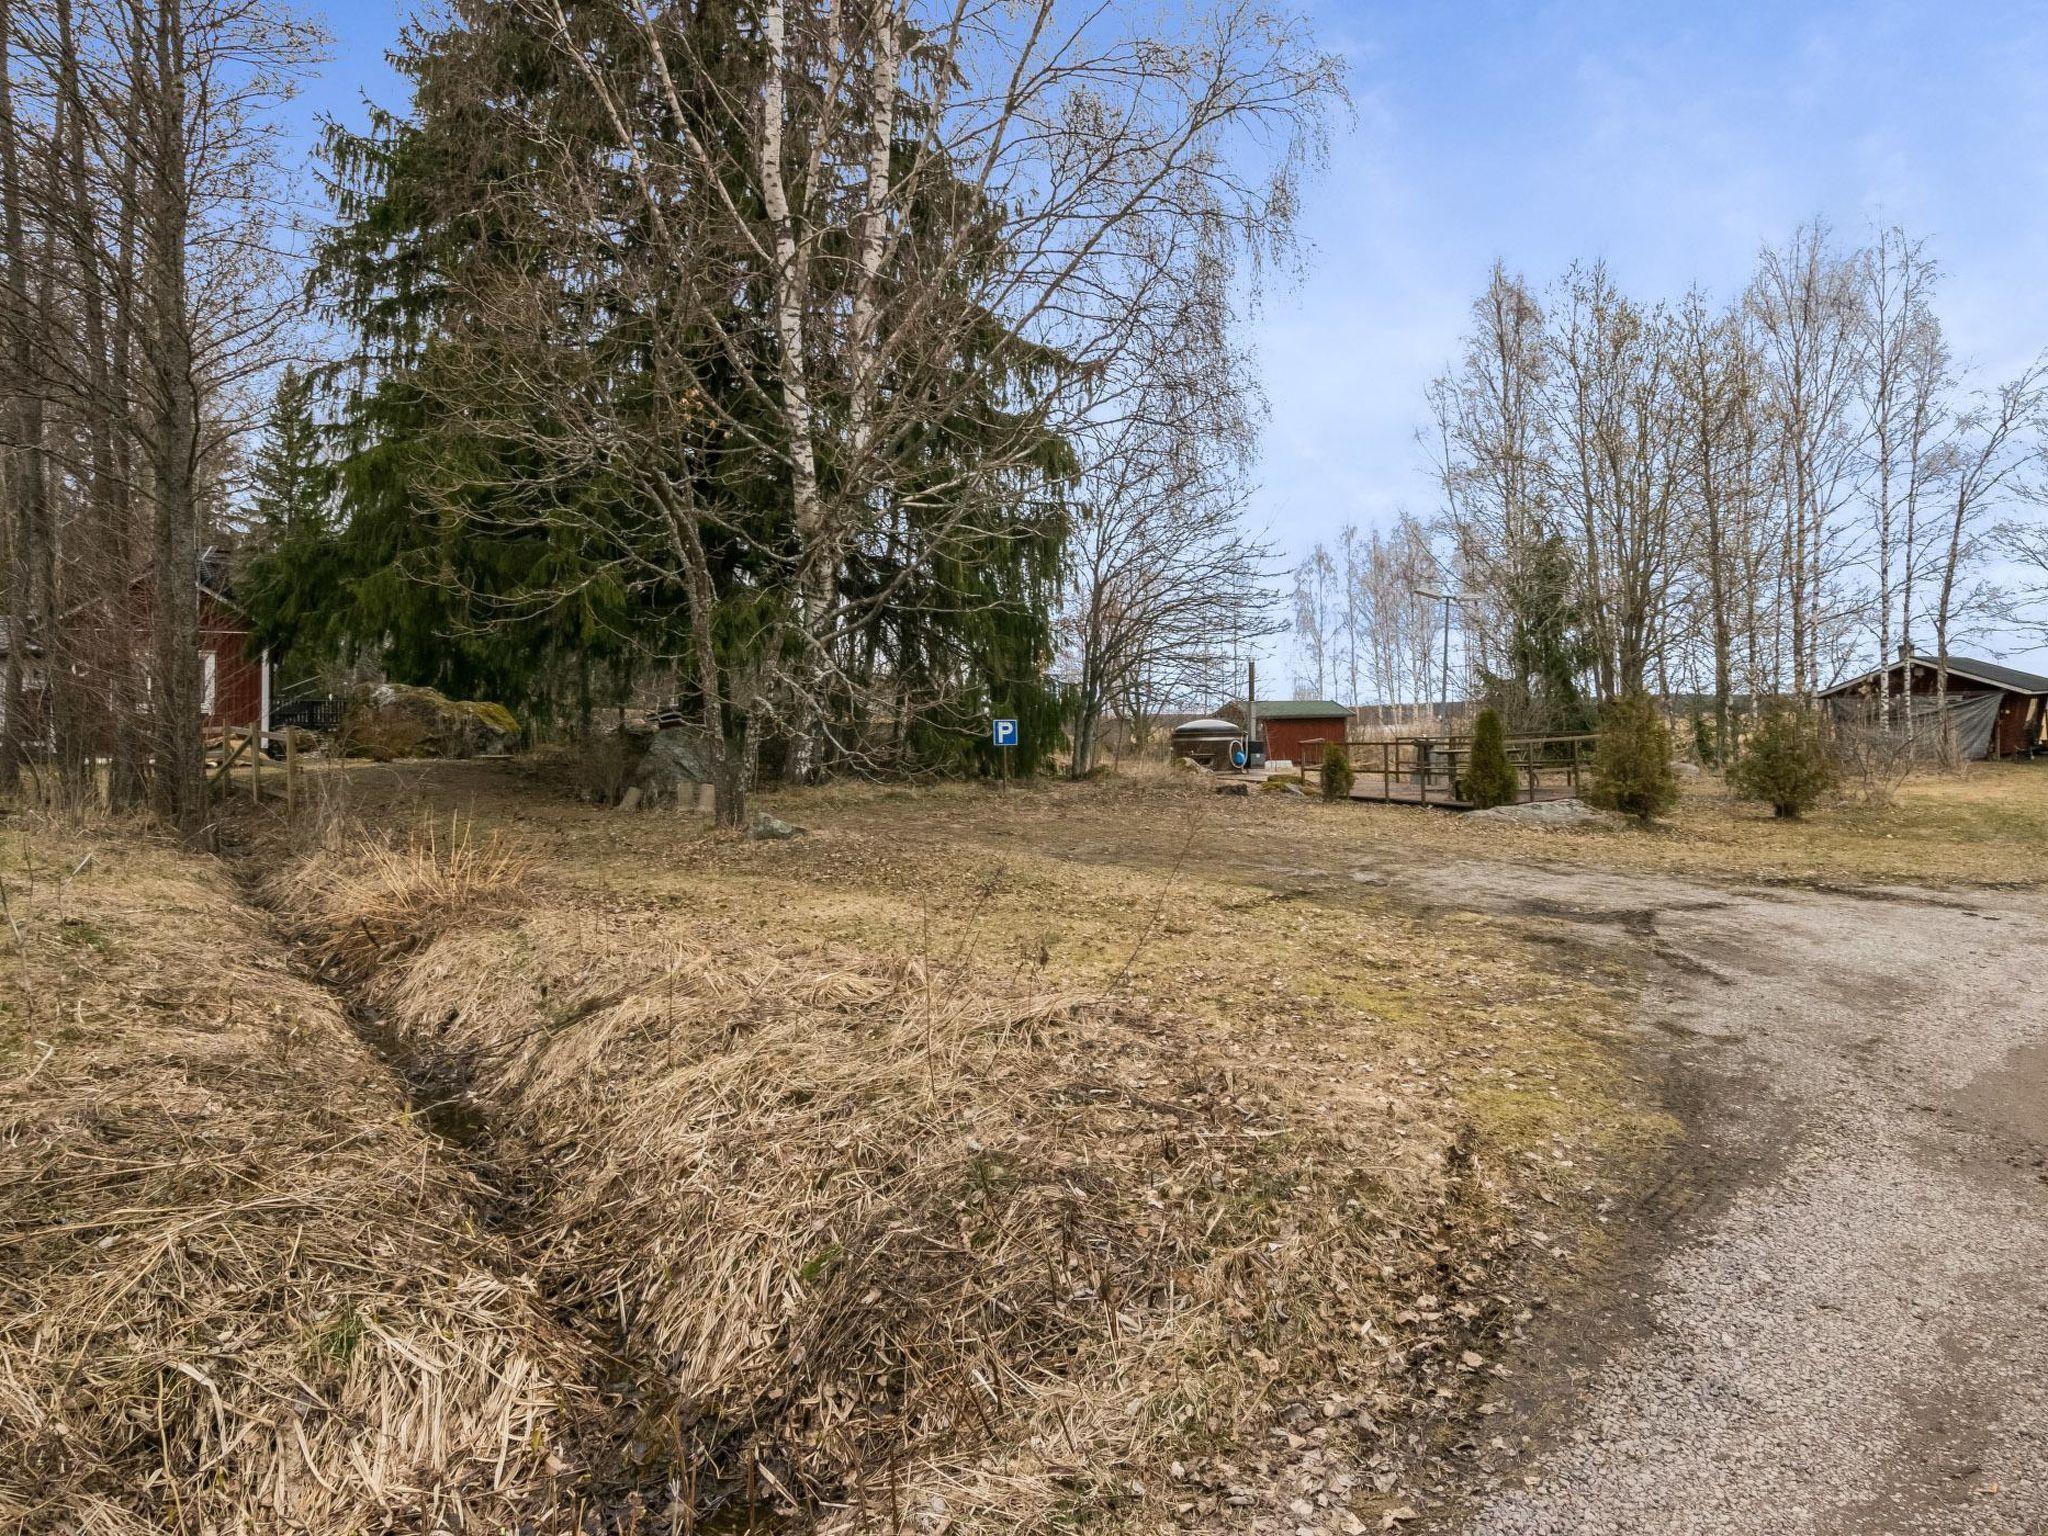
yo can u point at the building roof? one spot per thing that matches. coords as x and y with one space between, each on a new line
1989 673
1294 709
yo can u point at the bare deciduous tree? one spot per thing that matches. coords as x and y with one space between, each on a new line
146 303
1995 444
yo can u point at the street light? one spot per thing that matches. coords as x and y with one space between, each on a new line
1446 598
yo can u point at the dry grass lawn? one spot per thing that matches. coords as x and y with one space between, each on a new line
1082 1158
1087 1157
240 1288
1986 826
933 1162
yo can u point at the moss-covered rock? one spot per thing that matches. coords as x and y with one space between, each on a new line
394 720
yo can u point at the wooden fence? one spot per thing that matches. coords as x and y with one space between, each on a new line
233 746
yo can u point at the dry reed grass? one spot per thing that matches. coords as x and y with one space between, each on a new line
241 1288
374 897
891 1243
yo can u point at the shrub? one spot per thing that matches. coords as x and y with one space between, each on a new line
1785 762
1631 770
1489 776
1706 744
595 769
1337 775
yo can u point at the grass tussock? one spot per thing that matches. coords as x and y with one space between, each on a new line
240 1287
373 898
884 1239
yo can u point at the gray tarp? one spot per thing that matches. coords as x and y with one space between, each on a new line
1972 716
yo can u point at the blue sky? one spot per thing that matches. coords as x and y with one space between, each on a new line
1669 139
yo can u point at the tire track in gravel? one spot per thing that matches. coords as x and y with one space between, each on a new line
1833 1321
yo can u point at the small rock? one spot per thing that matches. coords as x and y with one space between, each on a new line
766 826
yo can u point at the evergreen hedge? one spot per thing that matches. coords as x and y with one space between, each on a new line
1785 762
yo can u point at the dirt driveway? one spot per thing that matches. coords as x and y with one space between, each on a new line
1835 1316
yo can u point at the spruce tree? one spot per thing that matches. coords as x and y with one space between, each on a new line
484 564
1489 778
1785 762
1337 776
289 473
1631 771
1545 651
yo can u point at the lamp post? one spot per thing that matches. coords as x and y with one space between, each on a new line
1446 598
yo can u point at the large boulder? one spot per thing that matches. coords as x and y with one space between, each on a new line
1548 813
395 720
674 770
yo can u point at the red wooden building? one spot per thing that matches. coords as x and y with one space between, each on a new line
234 672
1287 725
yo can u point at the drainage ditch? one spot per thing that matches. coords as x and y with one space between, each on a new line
645 1459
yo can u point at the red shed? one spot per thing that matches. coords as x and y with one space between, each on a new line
1284 725
234 673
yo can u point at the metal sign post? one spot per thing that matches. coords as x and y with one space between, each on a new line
1004 734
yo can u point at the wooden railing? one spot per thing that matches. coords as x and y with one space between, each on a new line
236 745
1433 765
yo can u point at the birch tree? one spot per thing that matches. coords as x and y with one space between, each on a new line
1163 583
1901 385
1613 409
2024 542
1808 306
1318 606
1995 446
1493 460
862 281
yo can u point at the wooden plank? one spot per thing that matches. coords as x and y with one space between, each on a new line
231 754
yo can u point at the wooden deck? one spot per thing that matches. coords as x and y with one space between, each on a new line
1408 792
1423 770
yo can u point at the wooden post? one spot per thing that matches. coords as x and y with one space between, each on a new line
256 764
291 773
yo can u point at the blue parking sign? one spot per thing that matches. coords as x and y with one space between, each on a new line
1006 733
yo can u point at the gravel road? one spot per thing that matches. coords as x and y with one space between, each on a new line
1839 1322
